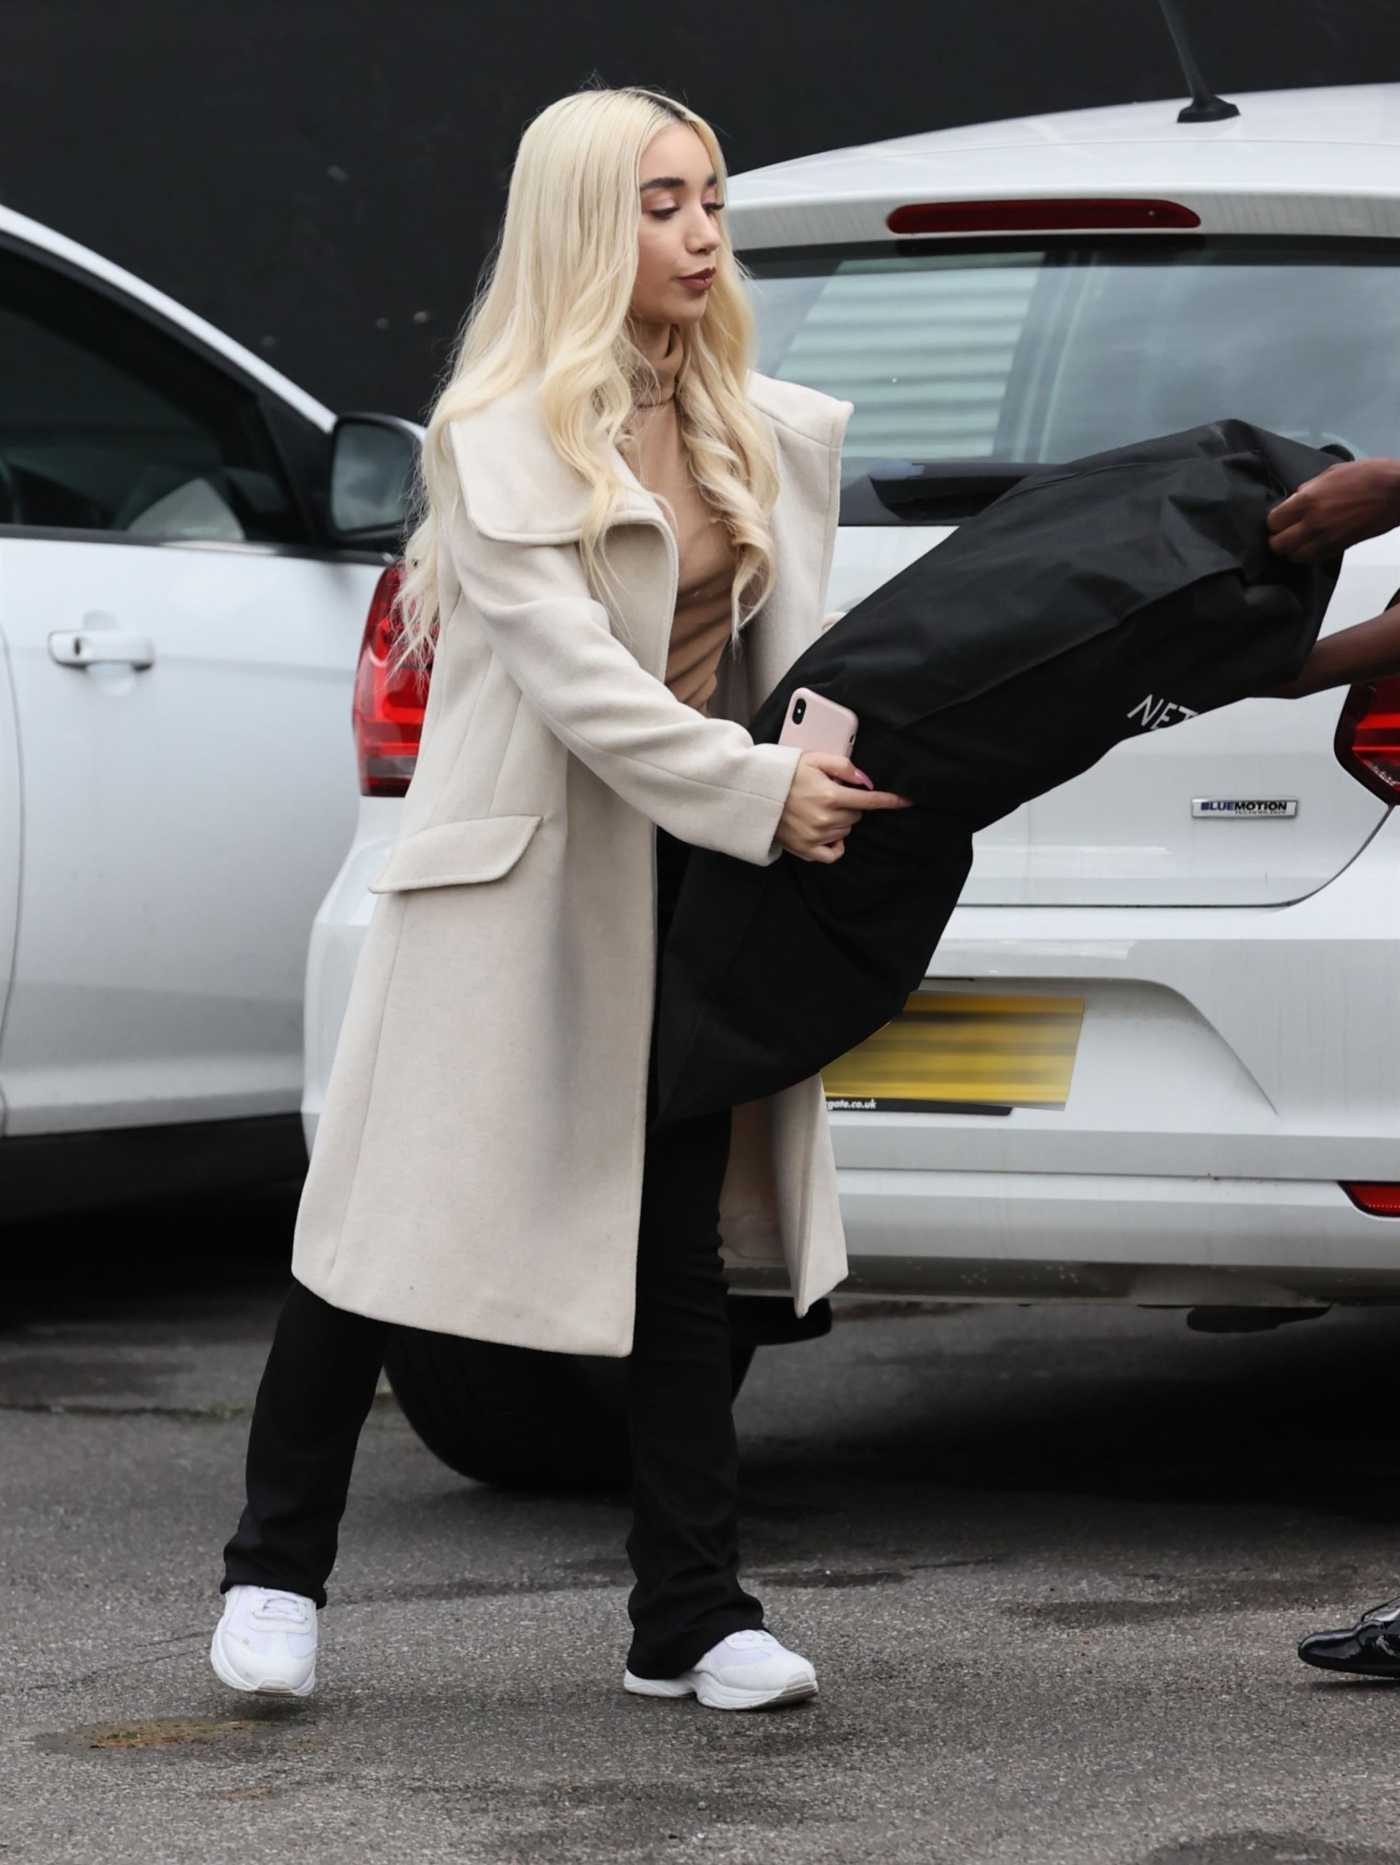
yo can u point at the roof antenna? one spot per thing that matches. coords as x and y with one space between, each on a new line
1205 106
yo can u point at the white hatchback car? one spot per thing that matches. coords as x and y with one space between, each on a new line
187 545
1156 1058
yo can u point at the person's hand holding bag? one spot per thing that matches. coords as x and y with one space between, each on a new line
1341 507
826 800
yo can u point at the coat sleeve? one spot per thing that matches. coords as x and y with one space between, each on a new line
703 780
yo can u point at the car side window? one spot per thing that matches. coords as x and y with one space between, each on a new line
108 423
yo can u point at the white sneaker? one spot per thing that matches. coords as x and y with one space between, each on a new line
266 1641
746 1671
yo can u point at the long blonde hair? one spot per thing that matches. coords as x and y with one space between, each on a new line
555 298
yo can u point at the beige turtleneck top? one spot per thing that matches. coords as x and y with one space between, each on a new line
701 625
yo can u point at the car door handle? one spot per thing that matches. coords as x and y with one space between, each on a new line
77 648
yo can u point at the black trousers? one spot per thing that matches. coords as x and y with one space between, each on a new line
324 1364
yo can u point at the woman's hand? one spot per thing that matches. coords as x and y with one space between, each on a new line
826 801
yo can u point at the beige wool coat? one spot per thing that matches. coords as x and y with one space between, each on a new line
478 1164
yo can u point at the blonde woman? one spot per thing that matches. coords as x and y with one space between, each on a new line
625 540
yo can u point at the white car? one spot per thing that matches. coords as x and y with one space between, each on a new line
1156 1058
182 590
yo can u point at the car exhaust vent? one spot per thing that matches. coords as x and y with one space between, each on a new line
1368 738
1043 216
1376 1200
388 707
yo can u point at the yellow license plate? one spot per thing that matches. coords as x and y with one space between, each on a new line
952 1051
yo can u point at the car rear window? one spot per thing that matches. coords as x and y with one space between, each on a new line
1035 352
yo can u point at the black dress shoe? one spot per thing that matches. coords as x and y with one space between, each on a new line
1371 1647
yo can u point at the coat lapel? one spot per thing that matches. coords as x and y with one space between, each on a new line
524 493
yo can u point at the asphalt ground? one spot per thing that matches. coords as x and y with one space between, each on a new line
1051 1565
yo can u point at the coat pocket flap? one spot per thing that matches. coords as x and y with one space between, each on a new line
447 853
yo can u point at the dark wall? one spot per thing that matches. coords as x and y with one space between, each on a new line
323 178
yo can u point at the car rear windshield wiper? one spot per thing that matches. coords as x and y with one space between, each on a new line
944 492
930 492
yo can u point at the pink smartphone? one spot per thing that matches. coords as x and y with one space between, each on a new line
818 724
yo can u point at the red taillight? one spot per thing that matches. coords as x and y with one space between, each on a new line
1038 216
388 708
1368 738
1377 1200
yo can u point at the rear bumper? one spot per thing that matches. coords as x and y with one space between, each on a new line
337 934
1234 1065
1173 1241
1227 1043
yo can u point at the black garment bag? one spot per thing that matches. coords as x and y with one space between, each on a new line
1117 594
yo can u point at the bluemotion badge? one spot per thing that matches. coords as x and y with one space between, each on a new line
1252 809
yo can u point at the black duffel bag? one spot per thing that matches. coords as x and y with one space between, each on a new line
1094 601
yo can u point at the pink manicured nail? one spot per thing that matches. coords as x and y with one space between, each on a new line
864 779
